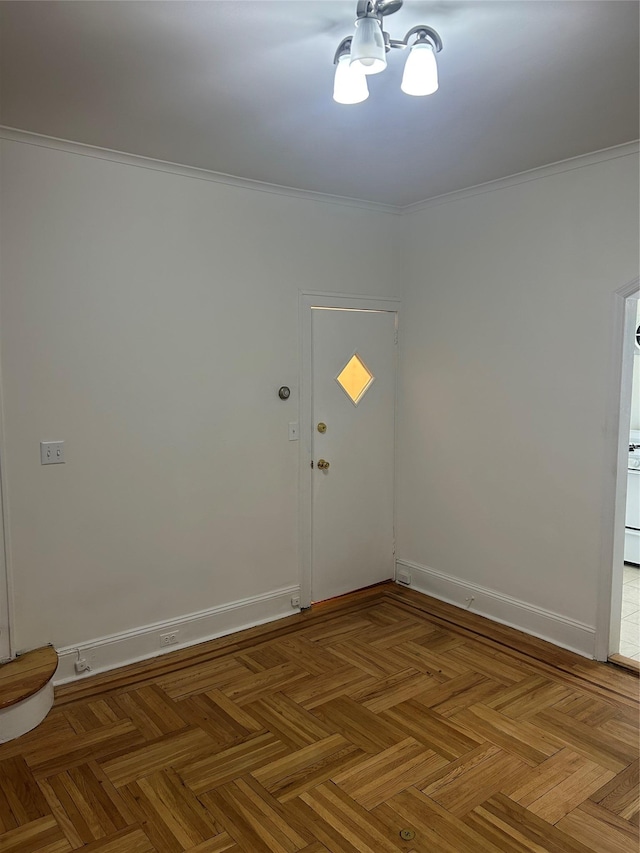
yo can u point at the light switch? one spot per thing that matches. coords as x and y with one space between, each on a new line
293 432
51 452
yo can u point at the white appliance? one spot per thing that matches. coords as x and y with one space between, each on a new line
632 517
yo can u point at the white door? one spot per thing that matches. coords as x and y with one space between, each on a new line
353 402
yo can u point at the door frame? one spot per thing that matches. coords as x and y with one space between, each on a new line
607 636
306 302
7 650
7 644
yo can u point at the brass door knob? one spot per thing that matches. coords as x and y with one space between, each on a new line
323 464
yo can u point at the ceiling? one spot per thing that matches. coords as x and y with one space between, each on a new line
244 87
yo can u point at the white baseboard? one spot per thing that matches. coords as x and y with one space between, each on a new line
105 653
545 624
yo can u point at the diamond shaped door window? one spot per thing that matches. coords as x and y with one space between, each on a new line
355 379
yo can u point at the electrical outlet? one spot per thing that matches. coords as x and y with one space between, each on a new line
169 639
295 601
404 577
81 665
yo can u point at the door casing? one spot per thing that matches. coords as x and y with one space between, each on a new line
307 301
7 649
614 491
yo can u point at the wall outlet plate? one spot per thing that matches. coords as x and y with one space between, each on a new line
169 639
404 577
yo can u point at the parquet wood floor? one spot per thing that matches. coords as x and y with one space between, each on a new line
380 713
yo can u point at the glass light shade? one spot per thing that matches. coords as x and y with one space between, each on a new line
421 71
367 47
350 84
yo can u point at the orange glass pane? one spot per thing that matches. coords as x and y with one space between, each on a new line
355 378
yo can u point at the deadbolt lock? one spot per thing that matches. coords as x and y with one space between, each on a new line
323 464
322 427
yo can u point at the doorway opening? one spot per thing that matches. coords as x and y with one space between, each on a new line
629 644
624 592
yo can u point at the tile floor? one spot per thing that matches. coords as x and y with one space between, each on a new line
630 626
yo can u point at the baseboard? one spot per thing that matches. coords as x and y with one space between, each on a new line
105 653
545 624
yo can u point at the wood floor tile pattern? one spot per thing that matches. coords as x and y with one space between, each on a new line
331 732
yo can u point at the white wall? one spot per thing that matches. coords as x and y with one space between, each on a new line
148 319
505 354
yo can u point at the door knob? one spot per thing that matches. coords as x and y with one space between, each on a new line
323 464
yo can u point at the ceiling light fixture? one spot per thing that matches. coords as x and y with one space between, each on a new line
365 53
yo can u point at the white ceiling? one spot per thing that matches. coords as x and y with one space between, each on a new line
244 87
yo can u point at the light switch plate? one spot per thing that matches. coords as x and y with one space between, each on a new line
51 452
293 432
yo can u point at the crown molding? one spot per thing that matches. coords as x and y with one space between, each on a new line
28 138
627 149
